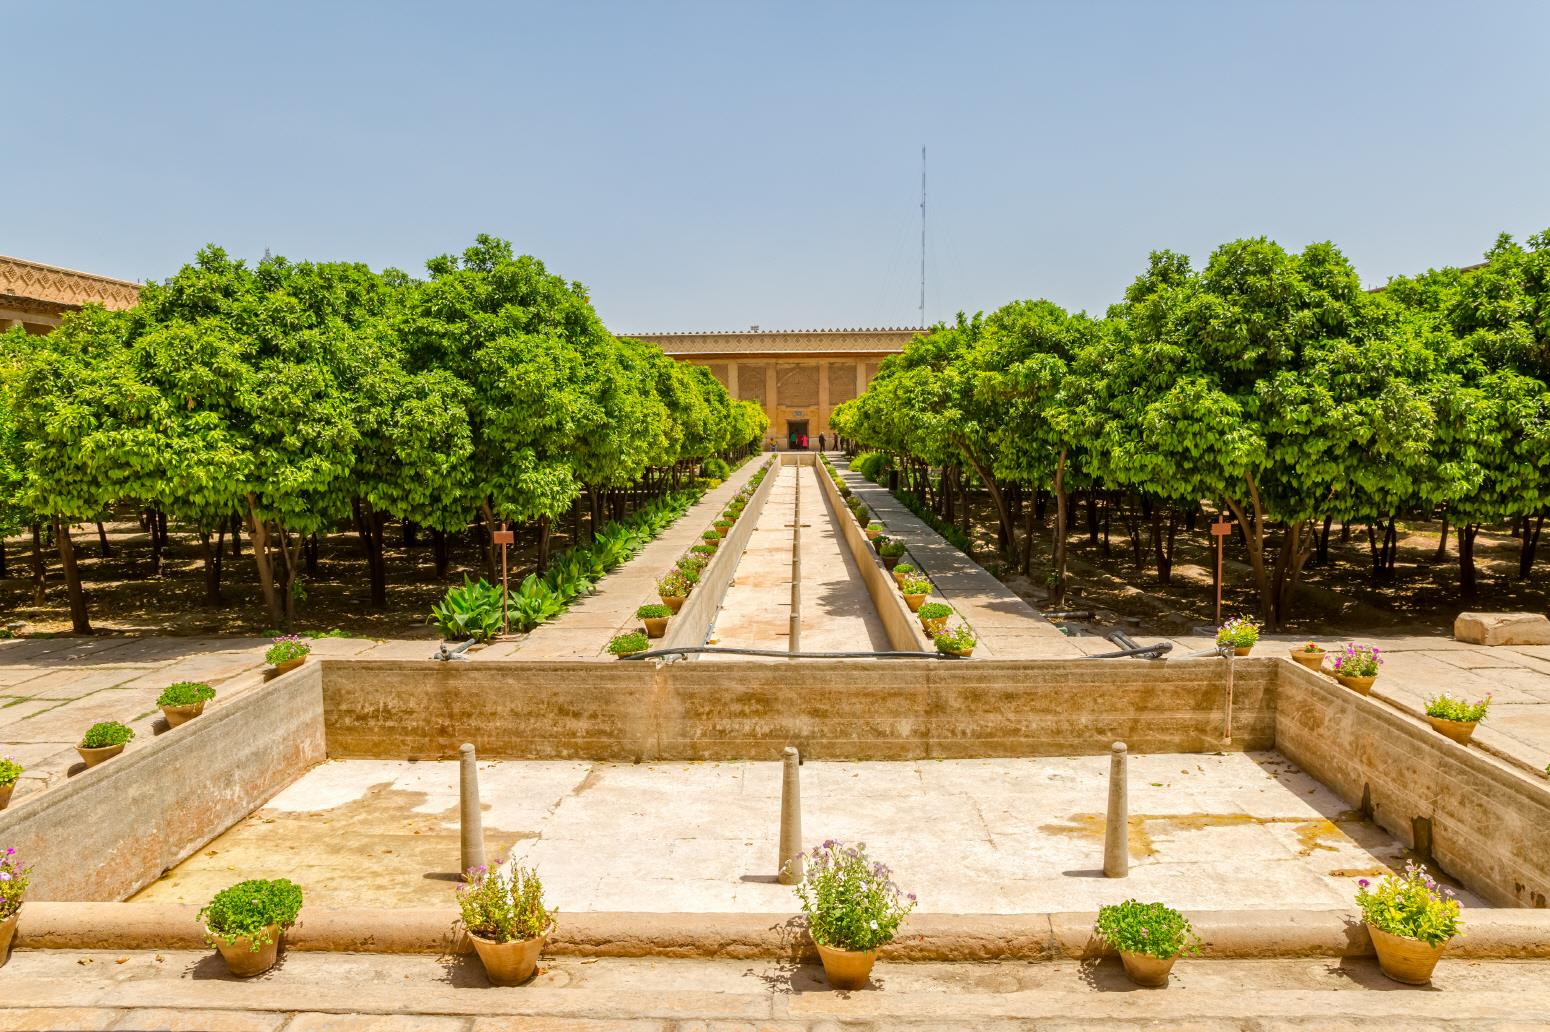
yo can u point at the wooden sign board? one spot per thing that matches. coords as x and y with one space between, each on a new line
504 537
1221 529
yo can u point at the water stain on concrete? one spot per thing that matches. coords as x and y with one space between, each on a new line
1312 834
377 850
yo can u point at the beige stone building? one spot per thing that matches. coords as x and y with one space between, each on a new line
797 375
34 296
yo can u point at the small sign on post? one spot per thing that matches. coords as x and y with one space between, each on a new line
504 538
1219 530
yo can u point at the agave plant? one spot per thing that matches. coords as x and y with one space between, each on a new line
472 611
533 603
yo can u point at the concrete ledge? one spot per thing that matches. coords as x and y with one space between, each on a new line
901 625
1490 934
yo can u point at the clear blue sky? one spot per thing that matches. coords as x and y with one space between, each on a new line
705 166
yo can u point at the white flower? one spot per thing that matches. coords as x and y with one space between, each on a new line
874 926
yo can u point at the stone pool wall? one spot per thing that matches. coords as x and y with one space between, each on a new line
110 831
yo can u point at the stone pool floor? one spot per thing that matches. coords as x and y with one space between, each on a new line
1227 832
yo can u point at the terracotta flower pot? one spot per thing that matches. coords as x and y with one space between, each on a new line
656 626
244 961
714 542
846 969
5 794
934 627
289 665
900 578
96 756
1405 960
1145 970
7 930
722 531
1458 730
890 561
960 653
673 602
177 716
509 963
623 655
1242 650
872 534
915 601
1359 685
1311 660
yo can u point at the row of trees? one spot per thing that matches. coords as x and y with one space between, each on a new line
298 397
1268 383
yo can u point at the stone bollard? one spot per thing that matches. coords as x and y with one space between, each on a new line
1116 832
790 863
470 818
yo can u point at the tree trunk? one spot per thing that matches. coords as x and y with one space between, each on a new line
212 565
1466 540
1530 543
439 551
1162 542
1321 557
39 567
78 617
258 531
1092 516
487 540
996 496
104 549
236 536
151 529
411 534
4 571
1254 544
1057 588
1442 540
1029 512
1296 544
544 526
309 550
371 525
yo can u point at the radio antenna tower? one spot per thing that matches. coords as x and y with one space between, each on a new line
922 237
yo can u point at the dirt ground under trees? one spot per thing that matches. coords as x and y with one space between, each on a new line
127 596
1421 594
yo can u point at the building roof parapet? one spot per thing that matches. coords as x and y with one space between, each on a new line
35 281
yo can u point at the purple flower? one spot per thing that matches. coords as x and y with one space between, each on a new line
1363 882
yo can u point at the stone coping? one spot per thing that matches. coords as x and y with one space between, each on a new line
1490 933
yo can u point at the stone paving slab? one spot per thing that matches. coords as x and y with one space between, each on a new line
396 993
1234 831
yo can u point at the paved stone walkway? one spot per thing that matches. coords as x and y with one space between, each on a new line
1417 667
835 611
342 992
1007 626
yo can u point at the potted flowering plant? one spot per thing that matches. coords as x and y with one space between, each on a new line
1149 938
704 550
183 701
915 590
1455 717
1309 654
673 589
933 617
288 652
1240 632
246 922
1356 666
959 641
874 530
1410 919
655 618
10 771
722 526
104 741
13 886
712 540
892 552
902 572
506 920
853 908
622 645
